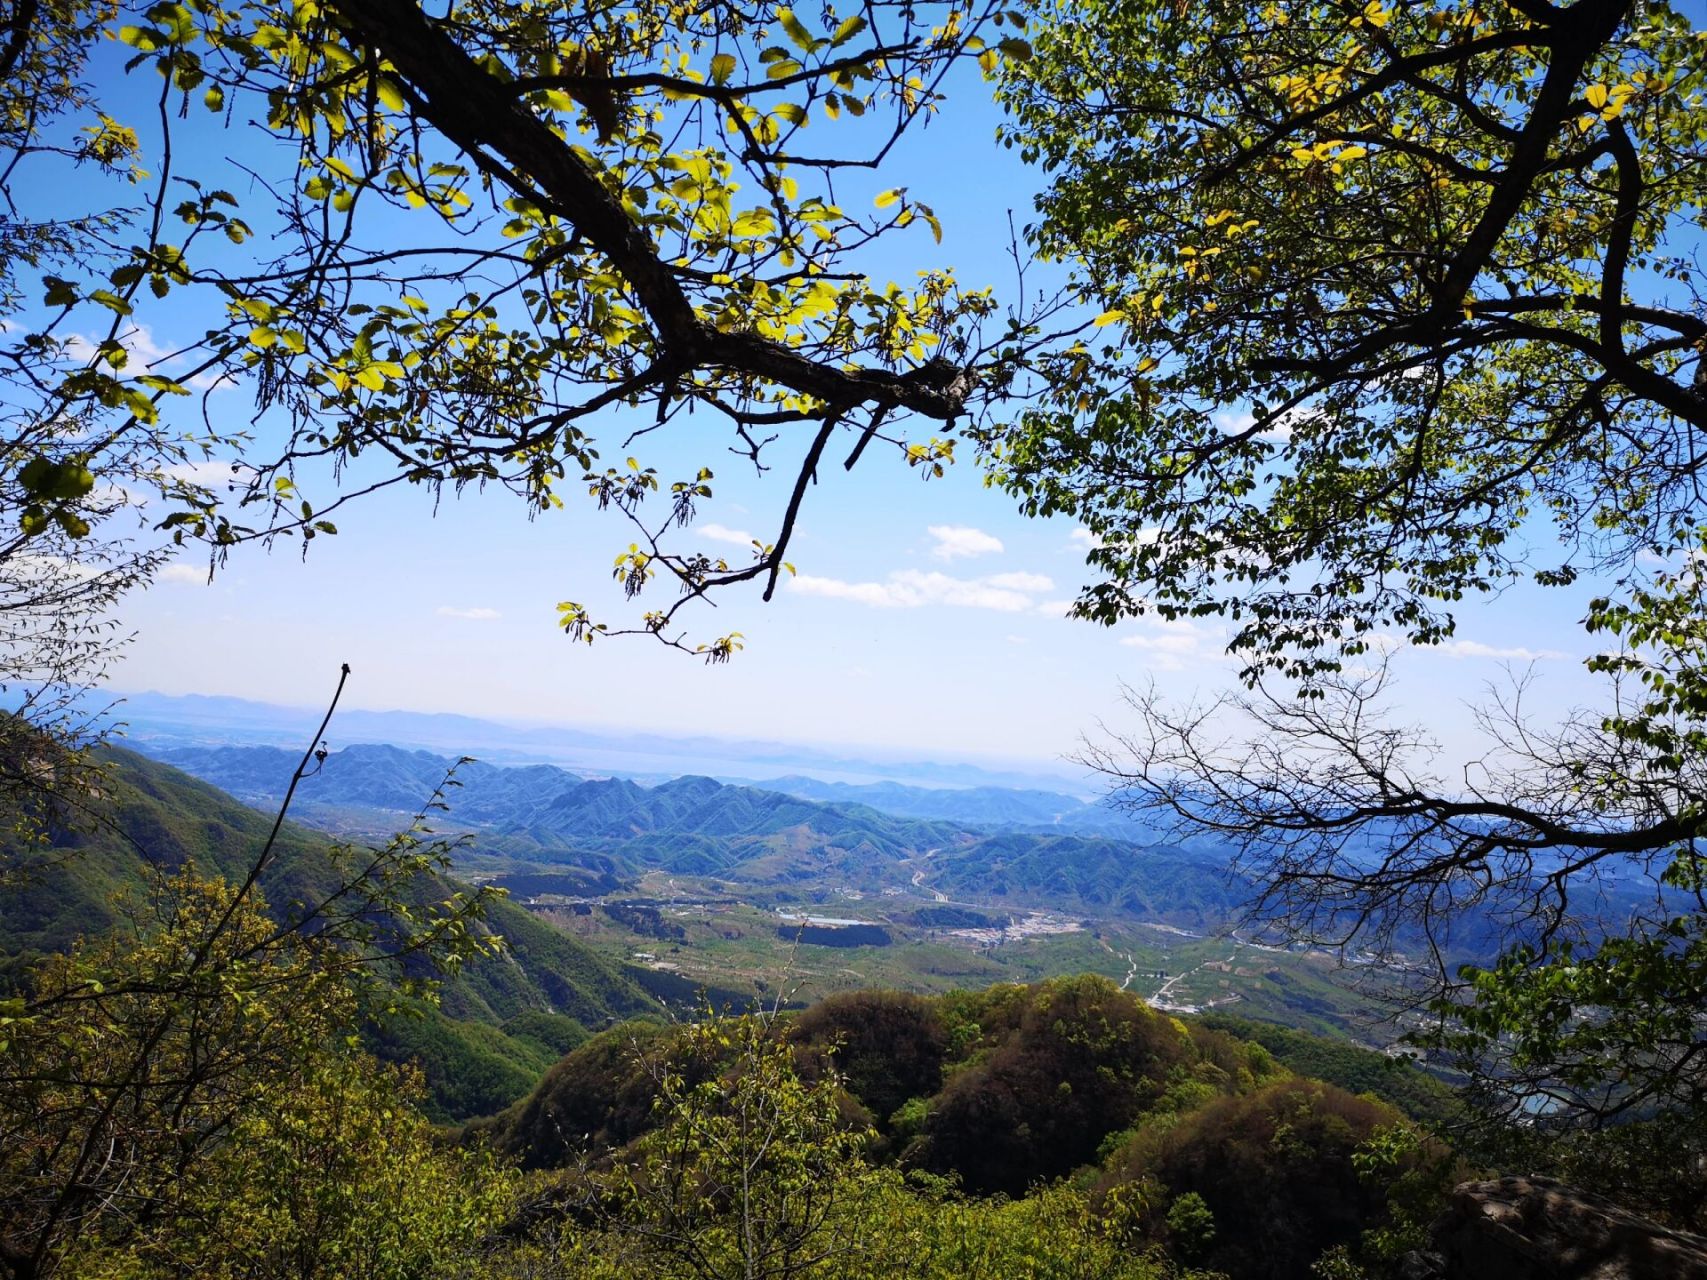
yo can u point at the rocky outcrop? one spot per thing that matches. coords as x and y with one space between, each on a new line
1538 1229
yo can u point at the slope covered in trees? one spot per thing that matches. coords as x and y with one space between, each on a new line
1215 1154
500 1019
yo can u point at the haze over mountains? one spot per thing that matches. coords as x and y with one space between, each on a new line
698 827
155 720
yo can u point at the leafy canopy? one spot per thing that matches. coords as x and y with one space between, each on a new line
1401 303
1384 287
459 249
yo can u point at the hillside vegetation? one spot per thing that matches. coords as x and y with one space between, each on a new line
500 1020
1208 1149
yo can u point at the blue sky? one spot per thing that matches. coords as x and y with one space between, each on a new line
927 617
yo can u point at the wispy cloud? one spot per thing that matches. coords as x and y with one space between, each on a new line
1020 581
1476 649
146 354
723 533
186 573
954 541
1391 642
1082 539
1169 643
471 615
913 589
54 566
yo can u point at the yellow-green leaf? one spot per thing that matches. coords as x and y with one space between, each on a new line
796 31
390 93
847 31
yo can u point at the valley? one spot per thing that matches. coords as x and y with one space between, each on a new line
696 883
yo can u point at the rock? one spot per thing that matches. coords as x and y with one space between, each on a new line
1538 1229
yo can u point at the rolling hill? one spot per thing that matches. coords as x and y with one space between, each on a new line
697 827
501 1020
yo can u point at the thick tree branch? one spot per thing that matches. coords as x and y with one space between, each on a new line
479 113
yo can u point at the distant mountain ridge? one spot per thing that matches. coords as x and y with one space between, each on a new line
544 807
156 721
696 826
1004 807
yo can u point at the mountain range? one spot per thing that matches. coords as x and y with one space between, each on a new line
696 826
154 720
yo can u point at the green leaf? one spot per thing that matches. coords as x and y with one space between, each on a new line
797 32
850 28
60 293
722 67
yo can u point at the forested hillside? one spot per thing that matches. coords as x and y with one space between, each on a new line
500 1019
1220 1156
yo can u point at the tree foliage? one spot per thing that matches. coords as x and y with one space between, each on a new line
132 1064
1400 307
193 1076
472 245
1264 1183
751 1169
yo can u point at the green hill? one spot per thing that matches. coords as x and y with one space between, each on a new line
1224 1156
501 1020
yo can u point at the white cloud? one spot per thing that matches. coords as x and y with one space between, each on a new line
1055 608
913 589
956 540
1390 642
210 473
211 380
1234 423
1168 643
186 573
1083 539
1020 581
1476 649
723 533
146 354
472 615
1279 429
1172 642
